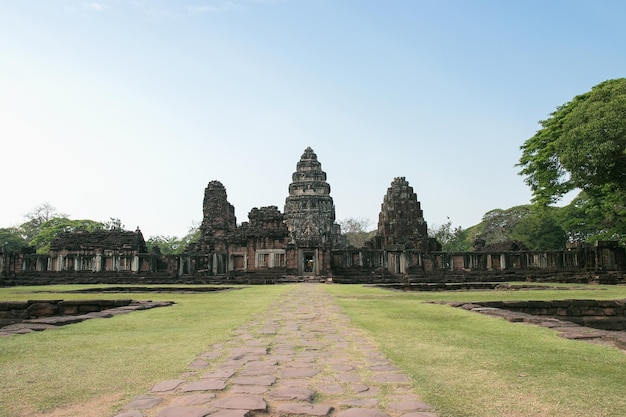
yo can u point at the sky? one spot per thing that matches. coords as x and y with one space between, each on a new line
128 109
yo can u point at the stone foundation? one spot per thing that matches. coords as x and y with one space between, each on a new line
597 314
20 317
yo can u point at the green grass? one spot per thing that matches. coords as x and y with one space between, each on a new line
470 365
463 363
119 357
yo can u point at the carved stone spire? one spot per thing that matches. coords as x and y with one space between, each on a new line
309 209
218 219
401 220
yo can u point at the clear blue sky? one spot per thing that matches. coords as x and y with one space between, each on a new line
127 109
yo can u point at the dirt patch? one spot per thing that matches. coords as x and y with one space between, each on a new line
101 406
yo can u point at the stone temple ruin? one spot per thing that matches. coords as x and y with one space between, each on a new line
303 242
296 242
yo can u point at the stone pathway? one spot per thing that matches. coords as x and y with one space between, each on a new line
303 359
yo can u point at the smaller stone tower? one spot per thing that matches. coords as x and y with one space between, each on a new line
401 221
218 220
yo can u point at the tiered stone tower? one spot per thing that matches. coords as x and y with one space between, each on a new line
218 220
309 209
401 220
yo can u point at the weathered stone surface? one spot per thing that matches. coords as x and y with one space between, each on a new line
220 373
342 368
292 393
291 382
42 310
204 385
143 402
133 413
420 414
248 389
179 411
348 377
232 413
305 409
258 370
361 412
331 389
254 380
241 402
299 372
198 364
82 241
193 399
391 378
368 402
239 352
409 405
383 368
168 385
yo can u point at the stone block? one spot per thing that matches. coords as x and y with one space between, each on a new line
42 310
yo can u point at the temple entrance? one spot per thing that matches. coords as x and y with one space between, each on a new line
308 267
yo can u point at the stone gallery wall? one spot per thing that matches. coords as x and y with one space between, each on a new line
304 241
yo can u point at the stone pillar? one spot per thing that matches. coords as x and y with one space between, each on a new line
134 267
181 265
98 263
403 263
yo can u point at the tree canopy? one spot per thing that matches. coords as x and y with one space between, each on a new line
355 231
582 145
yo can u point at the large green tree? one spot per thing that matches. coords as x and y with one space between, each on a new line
599 215
540 230
11 239
356 231
452 239
36 218
582 145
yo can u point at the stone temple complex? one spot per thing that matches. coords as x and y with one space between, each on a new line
302 242
298 241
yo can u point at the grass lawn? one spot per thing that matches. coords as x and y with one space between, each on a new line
470 365
463 363
110 361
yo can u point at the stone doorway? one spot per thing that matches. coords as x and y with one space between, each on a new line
308 265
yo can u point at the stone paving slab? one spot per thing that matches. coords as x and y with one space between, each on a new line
305 359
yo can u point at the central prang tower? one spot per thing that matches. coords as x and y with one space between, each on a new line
310 215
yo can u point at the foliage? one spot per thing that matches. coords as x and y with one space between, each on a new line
582 145
355 231
113 224
537 228
172 245
38 216
497 224
540 230
167 245
596 216
51 229
12 240
452 239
